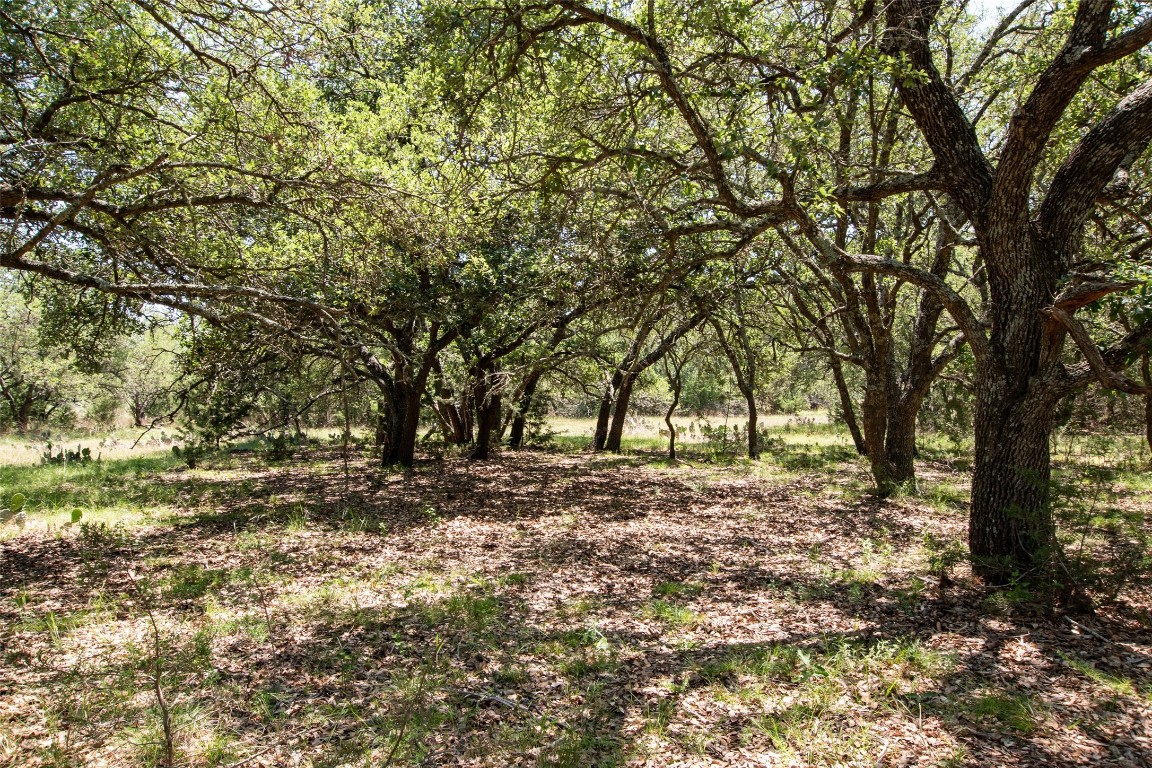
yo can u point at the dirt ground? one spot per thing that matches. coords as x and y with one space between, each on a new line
547 609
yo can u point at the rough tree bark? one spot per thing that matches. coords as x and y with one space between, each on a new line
1028 250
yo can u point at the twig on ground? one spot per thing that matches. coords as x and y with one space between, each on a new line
157 675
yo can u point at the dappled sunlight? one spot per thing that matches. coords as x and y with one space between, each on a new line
546 608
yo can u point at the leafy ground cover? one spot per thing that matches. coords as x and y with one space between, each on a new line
550 609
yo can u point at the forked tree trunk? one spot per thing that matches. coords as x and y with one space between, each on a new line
610 420
889 419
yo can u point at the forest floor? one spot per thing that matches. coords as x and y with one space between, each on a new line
547 609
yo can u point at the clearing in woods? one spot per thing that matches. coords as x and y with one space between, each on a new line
561 609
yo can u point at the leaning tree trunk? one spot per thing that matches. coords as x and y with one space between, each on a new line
524 402
620 414
846 406
676 387
604 415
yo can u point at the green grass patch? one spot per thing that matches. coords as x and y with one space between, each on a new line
671 614
677 589
1118 685
1017 712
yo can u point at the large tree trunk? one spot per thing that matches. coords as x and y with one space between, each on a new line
1146 372
620 414
1011 533
139 411
389 424
874 418
604 415
900 442
23 415
1148 421
409 426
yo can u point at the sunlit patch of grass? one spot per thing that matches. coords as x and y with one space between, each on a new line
903 659
671 614
813 697
810 699
800 733
873 560
473 607
54 624
430 582
578 653
224 621
1118 685
513 579
477 612
579 608
197 741
944 495
658 715
677 589
297 519
1017 712
191 581
124 491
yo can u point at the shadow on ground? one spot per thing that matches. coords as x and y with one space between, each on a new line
565 610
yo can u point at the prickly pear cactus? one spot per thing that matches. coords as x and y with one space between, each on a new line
15 511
